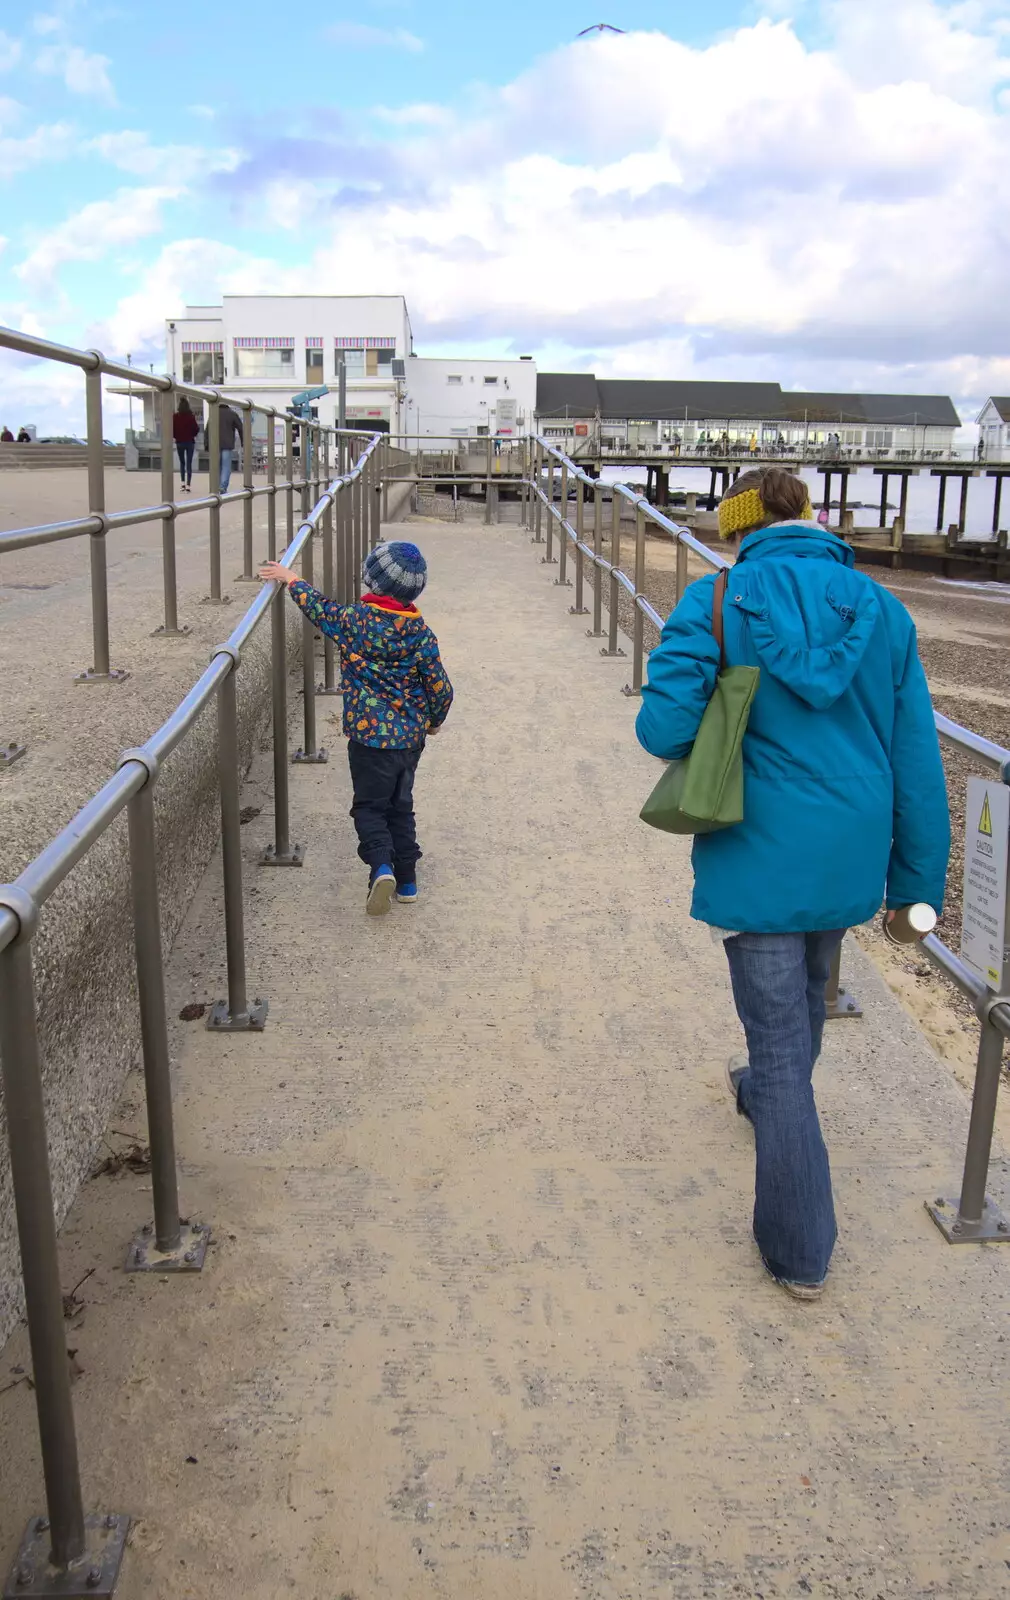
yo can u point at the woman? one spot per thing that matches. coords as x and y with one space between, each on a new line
184 431
844 802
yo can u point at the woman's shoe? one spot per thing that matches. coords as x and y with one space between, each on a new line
799 1291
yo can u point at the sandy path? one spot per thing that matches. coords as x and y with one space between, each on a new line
484 1318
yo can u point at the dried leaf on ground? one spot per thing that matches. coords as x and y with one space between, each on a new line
193 1012
135 1157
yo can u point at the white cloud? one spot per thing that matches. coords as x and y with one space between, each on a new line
82 72
10 52
206 113
95 230
132 151
53 141
363 36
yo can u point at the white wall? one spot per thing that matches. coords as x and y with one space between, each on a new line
434 406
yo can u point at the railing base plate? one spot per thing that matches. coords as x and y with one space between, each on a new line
114 675
612 654
294 858
222 600
171 633
845 1008
317 758
188 1255
96 1573
321 689
252 578
578 611
9 753
562 583
596 633
548 561
632 694
220 1019
994 1227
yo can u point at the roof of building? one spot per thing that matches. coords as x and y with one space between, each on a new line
567 394
1002 404
581 394
931 410
688 400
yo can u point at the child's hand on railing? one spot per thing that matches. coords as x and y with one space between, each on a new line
273 572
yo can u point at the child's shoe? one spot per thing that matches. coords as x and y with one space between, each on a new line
406 893
381 889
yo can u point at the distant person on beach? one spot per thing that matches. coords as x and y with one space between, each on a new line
845 802
6 437
24 437
396 693
184 431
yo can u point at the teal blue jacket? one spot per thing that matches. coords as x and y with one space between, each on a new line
845 802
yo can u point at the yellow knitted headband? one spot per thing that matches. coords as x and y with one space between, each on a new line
747 510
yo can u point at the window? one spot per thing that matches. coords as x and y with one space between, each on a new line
265 364
314 367
203 367
454 380
490 382
354 362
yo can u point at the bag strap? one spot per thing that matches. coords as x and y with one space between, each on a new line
718 601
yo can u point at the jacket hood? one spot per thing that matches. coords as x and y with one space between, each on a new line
811 615
393 636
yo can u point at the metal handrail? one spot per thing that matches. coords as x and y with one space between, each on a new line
972 1216
345 514
314 465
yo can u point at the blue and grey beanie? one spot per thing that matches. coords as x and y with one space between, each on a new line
396 569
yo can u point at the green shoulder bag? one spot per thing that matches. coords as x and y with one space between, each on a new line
704 791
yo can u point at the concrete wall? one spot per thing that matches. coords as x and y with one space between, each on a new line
84 961
437 406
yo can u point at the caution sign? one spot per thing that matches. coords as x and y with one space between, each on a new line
984 918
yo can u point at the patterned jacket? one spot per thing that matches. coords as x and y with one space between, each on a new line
395 687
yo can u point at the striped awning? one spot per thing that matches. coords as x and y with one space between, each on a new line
210 347
314 343
364 341
270 342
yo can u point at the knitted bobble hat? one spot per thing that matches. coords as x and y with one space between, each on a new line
396 569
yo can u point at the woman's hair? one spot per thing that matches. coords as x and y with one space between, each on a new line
778 493
184 404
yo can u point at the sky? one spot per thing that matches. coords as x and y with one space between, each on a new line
813 192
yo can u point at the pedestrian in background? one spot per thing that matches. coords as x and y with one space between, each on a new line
229 429
184 431
24 437
845 802
6 437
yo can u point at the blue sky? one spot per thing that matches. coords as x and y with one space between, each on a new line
813 191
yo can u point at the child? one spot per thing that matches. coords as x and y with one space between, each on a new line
396 692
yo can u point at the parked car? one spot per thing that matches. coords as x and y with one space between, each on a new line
61 438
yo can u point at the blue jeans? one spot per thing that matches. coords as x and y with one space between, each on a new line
225 470
779 981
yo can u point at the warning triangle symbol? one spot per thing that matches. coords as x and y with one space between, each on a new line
985 820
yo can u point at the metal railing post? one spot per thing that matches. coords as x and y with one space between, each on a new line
562 580
974 1218
487 483
386 468
282 853
64 1536
213 435
681 580
596 632
343 555
289 457
236 1014
612 648
579 609
841 1006
170 627
638 635
100 671
308 754
305 435
548 557
538 508
271 485
176 1246
247 575
329 683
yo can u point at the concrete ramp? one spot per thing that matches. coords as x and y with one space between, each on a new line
484 1319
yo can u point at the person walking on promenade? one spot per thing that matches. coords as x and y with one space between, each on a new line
845 803
184 431
229 429
396 693
6 437
24 437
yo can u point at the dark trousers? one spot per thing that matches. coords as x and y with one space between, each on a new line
383 809
185 449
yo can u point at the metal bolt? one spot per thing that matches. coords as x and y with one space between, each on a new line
138 1256
42 1525
111 1521
941 1202
1003 1227
147 1228
23 1577
190 1256
94 1577
956 1228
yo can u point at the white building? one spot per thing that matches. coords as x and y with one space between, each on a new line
455 397
994 429
270 347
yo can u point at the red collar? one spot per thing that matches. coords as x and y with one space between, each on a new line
385 602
